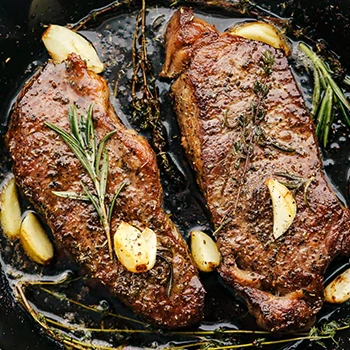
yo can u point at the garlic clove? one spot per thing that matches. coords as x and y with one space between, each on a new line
35 241
261 31
205 252
60 42
284 207
10 214
338 291
135 250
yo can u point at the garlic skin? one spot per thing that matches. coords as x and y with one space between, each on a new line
284 207
60 42
261 31
338 291
204 251
10 210
35 241
136 250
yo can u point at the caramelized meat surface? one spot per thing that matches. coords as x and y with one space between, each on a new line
243 121
169 295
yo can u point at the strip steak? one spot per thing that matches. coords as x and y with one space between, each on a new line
169 295
234 149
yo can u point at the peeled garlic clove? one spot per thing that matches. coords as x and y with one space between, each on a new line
35 241
135 250
338 291
10 214
263 32
205 253
60 42
284 207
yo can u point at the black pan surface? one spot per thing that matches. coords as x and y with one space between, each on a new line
21 50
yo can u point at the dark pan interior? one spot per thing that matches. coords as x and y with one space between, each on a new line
20 30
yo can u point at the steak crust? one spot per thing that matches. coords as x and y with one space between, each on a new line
169 295
233 154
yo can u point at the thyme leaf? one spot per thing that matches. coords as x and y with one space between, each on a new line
268 60
94 157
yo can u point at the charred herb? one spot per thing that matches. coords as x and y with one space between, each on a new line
144 92
295 182
327 98
93 156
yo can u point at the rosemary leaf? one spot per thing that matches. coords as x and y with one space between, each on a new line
104 174
317 92
342 111
100 150
75 125
328 117
339 93
322 113
89 129
93 200
110 212
71 195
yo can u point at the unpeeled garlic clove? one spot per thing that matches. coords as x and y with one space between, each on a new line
338 291
60 42
136 250
10 214
284 207
204 251
261 31
35 241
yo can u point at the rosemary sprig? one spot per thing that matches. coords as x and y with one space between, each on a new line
94 158
327 97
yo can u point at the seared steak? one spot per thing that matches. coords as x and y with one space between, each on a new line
243 120
170 294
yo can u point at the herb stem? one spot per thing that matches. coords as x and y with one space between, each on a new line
82 142
91 308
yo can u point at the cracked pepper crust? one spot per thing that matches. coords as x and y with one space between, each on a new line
43 163
281 280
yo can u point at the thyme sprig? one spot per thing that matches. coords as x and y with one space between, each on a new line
207 339
261 90
327 97
93 156
251 131
144 92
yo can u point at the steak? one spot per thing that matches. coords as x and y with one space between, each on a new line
243 121
170 294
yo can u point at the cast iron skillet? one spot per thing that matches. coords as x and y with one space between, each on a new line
20 41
